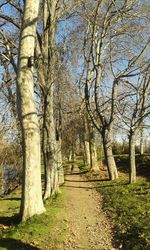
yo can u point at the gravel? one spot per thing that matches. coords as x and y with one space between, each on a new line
88 225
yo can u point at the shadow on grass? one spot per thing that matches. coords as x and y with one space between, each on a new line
9 221
130 239
12 199
12 244
142 162
113 185
144 171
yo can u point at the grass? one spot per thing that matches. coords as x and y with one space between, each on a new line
69 165
83 168
129 206
44 231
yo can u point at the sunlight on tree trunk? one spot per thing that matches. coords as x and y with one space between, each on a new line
132 175
94 167
111 165
59 163
87 152
31 202
141 142
49 140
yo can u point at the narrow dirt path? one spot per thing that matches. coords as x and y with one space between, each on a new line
88 224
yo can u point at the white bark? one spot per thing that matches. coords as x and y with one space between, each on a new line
111 165
70 156
59 163
48 48
94 167
87 153
132 175
31 203
142 143
52 184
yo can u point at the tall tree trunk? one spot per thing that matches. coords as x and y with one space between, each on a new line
111 165
73 153
52 183
87 152
141 143
70 155
101 154
31 202
93 150
59 136
59 163
132 173
94 167
90 147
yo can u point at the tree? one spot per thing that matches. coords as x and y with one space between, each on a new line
31 202
46 60
59 117
142 141
108 58
135 108
90 143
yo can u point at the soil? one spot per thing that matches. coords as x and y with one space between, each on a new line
88 224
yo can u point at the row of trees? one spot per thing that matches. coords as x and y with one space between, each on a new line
36 50
111 41
73 88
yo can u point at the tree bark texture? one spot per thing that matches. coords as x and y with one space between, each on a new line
110 161
94 166
50 148
90 146
31 202
59 163
141 143
132 173
49 141
93 151
87 152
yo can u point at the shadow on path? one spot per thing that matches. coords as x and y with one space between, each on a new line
95 187
95 180
12 244
77 173
69 186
